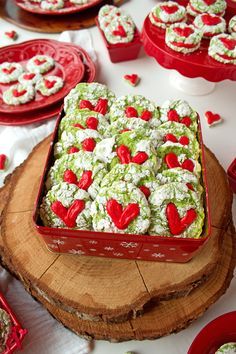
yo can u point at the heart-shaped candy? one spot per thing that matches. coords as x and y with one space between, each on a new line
169 9
132 79
101 106
68 215
229 43
92 123
122 217
183 140
178 225
184 32
146 191
132 112
120 31
84 182
171 159
173 116
124 154
29 76
17 93
210 20
8 71
11 34
212 118
49 84
89 144
40 62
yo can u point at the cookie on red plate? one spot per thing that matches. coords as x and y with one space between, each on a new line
166 13
210 24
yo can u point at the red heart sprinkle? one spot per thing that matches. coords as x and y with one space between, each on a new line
176 224
89 144
2 161
92 123
229 43
140 157
188 165
11 34
184 140
8 71
86 104
133 79
29 76
78 125
183 32
212 117
169 9
171 160
190 186
146 115
173 116
40 62
186 121
209 2
49 84
86 180
120 31
70 177
123 153
146 191
170 137
131 112
73 149
68 215
101 106
210 20
122 217
17 93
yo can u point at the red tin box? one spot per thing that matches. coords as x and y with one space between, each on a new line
92 243
122 51
231 172
17 333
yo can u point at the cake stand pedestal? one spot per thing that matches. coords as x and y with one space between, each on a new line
195 87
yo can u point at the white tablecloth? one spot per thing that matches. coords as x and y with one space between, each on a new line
155 85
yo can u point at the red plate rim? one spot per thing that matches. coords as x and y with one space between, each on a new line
216 333
64 11
64 70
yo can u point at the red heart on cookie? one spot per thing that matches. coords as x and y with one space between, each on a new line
173 116
84 182
8 71
124 154
171 159
17 93
68 215
183 32
178 225
29 76
120 31
169 9
229 43
183 140
49 84
40 62
210 20
120 216
132 112
101 106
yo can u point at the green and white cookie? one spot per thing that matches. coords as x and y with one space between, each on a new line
84 170
52 4
123 124
183 38
132 146
40 64
121 208
49 85
18 94
227 348
176 137
223 48
106 14
166 13
10 72
210 24
196 7
169 159
120 30
179 111
29 78
90 93
66 206
135 106
176 211
232 25
85 120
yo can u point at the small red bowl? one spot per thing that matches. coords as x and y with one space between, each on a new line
17 333
231 172
216 333
122 51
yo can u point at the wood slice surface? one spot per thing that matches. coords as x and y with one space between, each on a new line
49 23
102 289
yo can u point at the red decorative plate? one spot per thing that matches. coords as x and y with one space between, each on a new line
53 110
68 65
216 333
197 64
68 8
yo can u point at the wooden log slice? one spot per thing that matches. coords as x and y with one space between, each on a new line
102 289
10 12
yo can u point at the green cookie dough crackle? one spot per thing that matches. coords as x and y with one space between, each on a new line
196 7
176 211
232 25
210 24
179 111
135 106
121 208
123 124
141 177
84 118
58 207
91 92
10 72
74 139
120 30
177 138
85 171
183 38
132 146
223 48
5 328
180 175
166 13
227 348
52 4
18 94
107 13
40 64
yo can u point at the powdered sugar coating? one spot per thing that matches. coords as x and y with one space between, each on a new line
10 99
47 63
